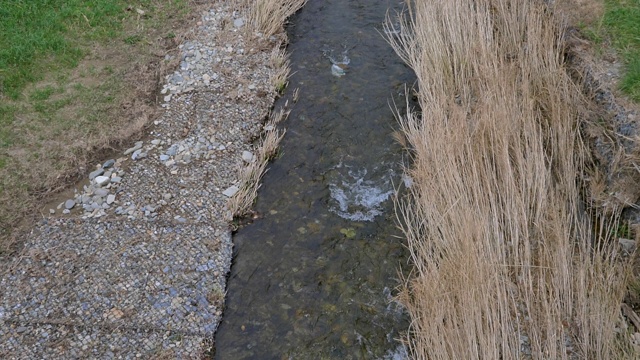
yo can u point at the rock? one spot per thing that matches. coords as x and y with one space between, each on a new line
109 163
252 87
101 192
238 23
102 180
155 142
93 174
164 157
628 245
232 190
116 179
177 79
66 211
69 204
136 154
110 199
167 98
52 211
247 156
172 151
136 147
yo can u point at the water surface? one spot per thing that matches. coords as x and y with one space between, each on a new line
313 278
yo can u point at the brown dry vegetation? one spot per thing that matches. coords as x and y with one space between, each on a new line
267 17
507 257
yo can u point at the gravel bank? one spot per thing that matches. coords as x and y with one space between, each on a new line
134 264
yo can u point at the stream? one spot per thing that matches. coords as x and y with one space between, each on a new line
314 276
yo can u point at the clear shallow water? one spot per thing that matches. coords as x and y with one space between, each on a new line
313 278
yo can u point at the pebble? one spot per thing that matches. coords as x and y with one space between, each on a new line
137 146
164 157
230 191
238 23
138 154
101 192
102 180
109 163
69 204
628 245
247 156
93 174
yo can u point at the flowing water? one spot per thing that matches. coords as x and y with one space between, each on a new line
313 277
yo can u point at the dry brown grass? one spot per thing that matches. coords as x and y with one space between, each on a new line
250 176
269 16
506 257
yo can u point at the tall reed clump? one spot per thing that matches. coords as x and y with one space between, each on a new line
507 261
269 16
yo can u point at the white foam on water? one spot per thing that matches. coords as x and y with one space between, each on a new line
360 199
400 353
338 67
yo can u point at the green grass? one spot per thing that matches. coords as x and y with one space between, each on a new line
37 36
621 24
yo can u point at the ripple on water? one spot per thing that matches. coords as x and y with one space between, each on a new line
358 195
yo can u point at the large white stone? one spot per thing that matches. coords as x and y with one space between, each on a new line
102 180
247 156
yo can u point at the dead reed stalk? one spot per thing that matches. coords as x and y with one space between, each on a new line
507 262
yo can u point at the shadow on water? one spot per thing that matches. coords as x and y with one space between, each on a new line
313 278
